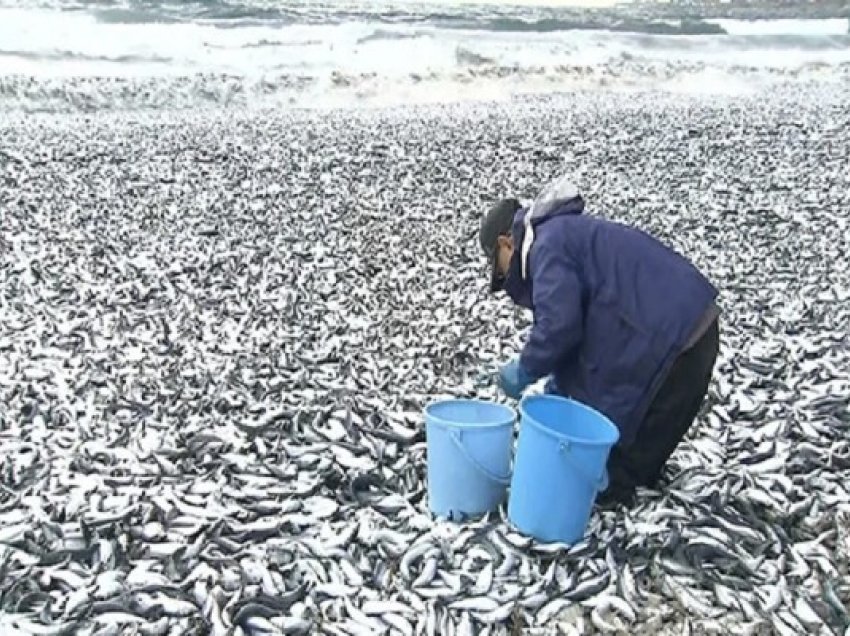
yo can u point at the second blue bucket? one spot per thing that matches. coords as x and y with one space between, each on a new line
559 467
469 456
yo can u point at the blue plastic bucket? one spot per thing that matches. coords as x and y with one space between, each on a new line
559 468
469 456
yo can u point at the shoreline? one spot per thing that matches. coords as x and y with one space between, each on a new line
826 94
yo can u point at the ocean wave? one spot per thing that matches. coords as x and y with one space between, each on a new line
61 56
385 34
209 58
265 43
226 13
123 15
550 25
90 49
156 13
238 14
667 18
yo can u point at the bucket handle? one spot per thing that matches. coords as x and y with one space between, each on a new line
600 483
456 438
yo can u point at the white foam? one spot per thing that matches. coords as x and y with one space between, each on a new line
380 61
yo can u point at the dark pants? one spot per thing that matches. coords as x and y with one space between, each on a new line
670 415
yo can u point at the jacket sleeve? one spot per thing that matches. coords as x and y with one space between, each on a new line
557 302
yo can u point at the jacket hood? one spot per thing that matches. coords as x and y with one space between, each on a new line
560 197
518 289
548 210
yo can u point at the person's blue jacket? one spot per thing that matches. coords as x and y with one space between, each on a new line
612 308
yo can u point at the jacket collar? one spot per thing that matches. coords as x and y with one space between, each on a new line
516 285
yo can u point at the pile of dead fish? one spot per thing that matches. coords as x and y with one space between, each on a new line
218 332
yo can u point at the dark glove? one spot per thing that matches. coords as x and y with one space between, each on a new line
513 379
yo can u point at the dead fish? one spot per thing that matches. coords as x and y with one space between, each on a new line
212 403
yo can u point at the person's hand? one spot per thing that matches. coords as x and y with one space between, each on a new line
513 379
